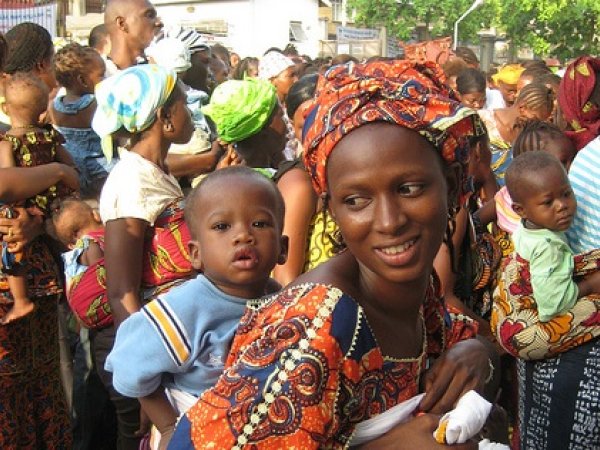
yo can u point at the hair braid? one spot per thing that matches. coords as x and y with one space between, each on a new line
28 45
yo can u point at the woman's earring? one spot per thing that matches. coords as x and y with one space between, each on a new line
453 212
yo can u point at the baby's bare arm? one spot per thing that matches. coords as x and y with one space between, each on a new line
92 255
589 285
6 155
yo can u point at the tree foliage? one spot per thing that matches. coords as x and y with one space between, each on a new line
561 28
401 17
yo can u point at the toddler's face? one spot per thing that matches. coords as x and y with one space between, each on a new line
238 234
96 73
550 202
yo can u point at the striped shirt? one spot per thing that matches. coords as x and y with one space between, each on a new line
584 234
180 340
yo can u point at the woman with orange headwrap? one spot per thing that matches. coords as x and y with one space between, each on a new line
386 149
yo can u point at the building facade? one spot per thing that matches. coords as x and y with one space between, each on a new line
249 27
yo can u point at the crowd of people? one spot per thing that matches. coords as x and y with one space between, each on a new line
202 251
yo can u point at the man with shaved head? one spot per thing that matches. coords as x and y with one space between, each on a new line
131 24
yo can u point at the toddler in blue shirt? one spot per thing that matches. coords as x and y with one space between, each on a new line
180 341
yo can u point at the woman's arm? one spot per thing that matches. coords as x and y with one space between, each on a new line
20 183
414 434
443 267
487 213
300 205
463 367
123 254
490 186
184 165
63 156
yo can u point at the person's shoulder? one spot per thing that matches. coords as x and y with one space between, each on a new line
127 169
590 154
110 68
340 271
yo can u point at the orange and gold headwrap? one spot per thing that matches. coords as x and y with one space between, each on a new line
409 94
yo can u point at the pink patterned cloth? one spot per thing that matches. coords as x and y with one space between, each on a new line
506 218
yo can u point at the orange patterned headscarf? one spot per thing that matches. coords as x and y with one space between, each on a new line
409 94
574 94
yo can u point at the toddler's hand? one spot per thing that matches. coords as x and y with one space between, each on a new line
231 158
165 437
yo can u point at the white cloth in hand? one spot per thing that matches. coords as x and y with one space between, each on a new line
487 445
467 419
382 423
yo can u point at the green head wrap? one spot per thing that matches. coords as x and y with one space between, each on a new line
241 108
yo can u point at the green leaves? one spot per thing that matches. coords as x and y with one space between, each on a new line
560 28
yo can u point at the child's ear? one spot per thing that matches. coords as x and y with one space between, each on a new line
81 79
194 249
523 111
44 67
283 255
96 215
518 208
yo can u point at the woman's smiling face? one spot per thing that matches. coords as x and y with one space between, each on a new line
389 195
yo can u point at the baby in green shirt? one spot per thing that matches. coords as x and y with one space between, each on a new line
539 187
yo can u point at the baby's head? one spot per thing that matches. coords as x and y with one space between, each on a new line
235 218
26 98
73 218
79 68
540 190
547 137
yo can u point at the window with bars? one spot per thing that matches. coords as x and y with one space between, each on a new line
337 10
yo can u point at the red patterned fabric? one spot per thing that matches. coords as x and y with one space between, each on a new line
515 319
575 90
166 260
305 368
409 94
